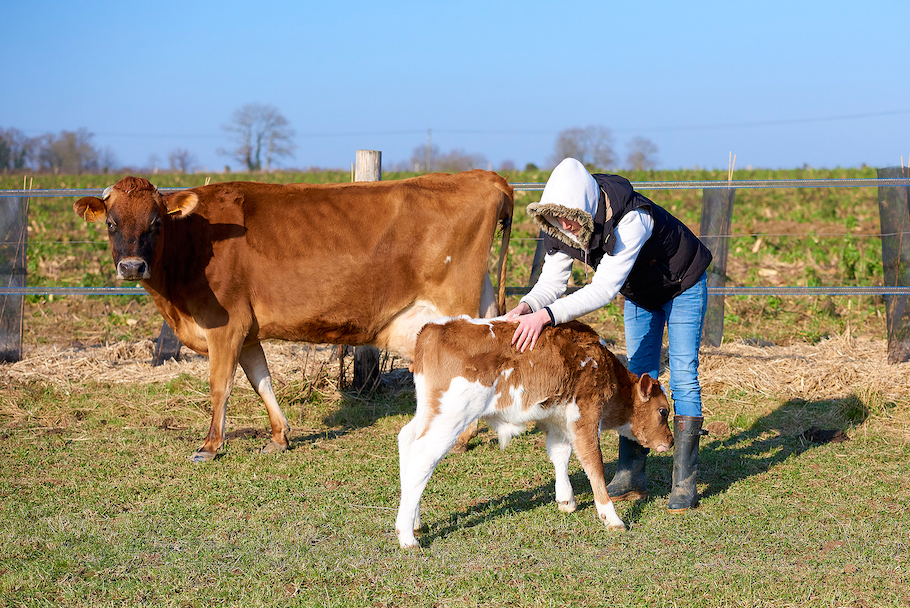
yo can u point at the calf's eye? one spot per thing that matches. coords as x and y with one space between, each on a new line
664 412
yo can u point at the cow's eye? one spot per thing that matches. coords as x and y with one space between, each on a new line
155 225
664 412
111 226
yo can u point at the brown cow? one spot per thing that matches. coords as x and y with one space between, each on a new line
570 384
232 264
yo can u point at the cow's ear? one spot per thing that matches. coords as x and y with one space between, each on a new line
644 386
181 204
90 208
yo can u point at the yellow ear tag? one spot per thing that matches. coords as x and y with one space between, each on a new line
173 211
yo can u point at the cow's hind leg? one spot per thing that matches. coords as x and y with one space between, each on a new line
256 368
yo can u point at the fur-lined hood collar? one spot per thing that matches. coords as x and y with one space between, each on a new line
570 193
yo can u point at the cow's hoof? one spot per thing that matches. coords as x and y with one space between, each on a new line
567 506
201 456
617 528
459 448
274 448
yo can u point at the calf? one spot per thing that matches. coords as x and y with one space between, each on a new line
570 385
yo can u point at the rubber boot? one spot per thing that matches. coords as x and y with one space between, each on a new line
686 433
629 483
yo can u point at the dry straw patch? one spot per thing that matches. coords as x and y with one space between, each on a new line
836 368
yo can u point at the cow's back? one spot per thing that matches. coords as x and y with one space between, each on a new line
337 262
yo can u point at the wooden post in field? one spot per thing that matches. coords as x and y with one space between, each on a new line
895 222
716 212
13 245
367 168
167 347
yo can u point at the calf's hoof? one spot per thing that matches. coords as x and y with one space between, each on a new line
201 455
273 447
407 542
567 506
617 527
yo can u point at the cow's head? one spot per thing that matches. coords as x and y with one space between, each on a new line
135 213
650 415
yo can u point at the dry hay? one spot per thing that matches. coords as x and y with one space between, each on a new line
835 368
131 362
831 369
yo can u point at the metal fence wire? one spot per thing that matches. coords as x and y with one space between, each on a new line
537 187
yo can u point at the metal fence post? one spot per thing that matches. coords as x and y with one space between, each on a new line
895 223
716 213
13 247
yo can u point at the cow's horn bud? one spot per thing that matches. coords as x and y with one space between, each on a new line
106 193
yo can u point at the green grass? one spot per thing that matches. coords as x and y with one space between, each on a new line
100 507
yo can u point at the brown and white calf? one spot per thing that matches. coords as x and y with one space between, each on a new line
571 385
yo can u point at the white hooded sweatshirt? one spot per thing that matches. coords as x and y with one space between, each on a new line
572 193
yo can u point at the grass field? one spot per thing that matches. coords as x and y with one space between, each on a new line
99 505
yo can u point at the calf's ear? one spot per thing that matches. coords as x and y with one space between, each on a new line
181 204
644 386
90 208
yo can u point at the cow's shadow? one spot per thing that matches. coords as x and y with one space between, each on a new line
725 459
392 394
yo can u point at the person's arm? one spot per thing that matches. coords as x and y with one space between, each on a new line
612 271
552 282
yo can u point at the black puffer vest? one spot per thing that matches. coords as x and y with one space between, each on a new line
670 262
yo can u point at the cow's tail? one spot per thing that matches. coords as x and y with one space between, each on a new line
506 206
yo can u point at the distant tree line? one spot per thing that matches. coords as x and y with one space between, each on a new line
260 136
69 152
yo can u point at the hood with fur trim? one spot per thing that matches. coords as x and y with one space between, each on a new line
571 193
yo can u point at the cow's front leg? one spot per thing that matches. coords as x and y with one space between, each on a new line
256 368
559 448
587 447
223 355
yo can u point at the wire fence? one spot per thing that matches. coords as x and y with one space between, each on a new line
536 187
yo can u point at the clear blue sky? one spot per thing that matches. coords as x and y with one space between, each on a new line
779 83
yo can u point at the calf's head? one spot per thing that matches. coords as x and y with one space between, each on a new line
650 414
135 212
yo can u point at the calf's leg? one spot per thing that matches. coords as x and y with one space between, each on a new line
559 448
587 447
256 368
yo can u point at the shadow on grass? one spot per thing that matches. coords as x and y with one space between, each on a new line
789 430
724 461
394 395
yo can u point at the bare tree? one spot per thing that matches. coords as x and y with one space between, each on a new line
642 154
259 130
70 152
422 158
591 145
452 162
459 160
181 160
16 150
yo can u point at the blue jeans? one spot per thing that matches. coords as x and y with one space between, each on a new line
684 317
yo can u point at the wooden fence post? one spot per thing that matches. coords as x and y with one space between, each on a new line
716 213
895 222
367 168
167 347
13 247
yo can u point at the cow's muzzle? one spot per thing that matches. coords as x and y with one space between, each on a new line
133 269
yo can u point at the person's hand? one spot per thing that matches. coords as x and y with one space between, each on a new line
529 328
521 309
